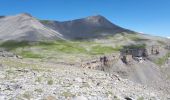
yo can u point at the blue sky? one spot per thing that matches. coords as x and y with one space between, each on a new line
148 16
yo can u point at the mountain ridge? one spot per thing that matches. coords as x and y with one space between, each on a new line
91 27
86 28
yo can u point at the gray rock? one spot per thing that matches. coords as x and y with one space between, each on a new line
80 98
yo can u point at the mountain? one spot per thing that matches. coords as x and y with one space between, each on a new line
25 27
86 28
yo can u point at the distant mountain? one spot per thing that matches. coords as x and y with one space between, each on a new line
25 27
86 28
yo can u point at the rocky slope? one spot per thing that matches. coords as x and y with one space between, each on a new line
21 79
24 27
86 28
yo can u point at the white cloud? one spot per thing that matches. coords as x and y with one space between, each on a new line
168 37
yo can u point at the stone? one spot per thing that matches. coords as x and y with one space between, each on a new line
2 97
80 98
78 79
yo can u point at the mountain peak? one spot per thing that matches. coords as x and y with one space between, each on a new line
96 17
25 14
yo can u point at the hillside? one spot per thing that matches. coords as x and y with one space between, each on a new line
79 46
86 28
24 27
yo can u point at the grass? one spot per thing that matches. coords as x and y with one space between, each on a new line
135 37
29 54
39 79
57 48
162 60
18 64
161 42
44 21
140 98
38 90
27 95
100 50
67 94
138 46
11 45
61 46
50 82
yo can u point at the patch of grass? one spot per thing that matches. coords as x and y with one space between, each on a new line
137 46
39 79
57 49
17 64
10 71
161 42
44 21
38 90
140 98
137 39
162 60
27 95
50 82
12 45
134 37
117 48
29 54
95 50
67 94
62 46
85 85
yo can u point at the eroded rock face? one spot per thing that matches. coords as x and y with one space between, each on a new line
24 80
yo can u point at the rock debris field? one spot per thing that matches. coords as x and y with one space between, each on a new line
25 80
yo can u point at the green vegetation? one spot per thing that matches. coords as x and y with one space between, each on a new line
50 82
161 42
27 95
39 79
29 54
58 48
67 94
136 38
162 60
38 90
138 46
23 65
95 50
12 45
44 21
140 98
